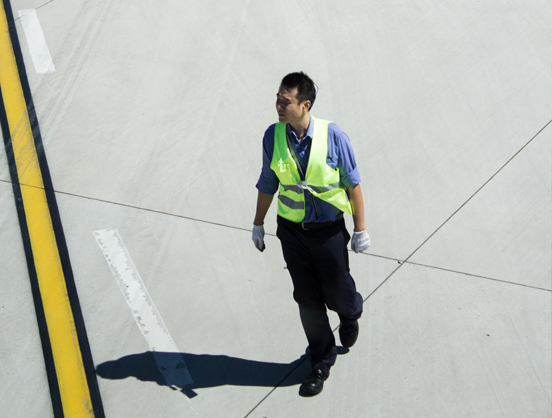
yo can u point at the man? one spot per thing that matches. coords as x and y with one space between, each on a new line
312 163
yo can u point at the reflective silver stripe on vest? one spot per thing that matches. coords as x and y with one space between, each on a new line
305 186
293 188
290 203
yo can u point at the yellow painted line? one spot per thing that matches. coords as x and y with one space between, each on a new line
73 386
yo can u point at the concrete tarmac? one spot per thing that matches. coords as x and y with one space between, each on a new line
152 125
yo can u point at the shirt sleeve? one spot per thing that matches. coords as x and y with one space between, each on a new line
342 157
268 180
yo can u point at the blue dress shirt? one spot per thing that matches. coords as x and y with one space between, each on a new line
340 156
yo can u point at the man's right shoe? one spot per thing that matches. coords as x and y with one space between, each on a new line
348 334
314 383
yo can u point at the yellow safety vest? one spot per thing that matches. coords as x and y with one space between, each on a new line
320 179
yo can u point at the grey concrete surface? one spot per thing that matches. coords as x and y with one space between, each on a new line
439 344
152 124
510 218
228 300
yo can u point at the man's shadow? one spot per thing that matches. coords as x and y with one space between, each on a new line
206 370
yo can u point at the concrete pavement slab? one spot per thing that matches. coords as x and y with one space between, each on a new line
505 231
424 93
438 344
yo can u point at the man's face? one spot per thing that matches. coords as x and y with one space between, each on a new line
288 107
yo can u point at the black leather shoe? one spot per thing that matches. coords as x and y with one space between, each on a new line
348 334
314 383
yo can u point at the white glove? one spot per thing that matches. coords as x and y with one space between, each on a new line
258 237
360 242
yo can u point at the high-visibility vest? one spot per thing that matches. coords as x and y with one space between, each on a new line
320 179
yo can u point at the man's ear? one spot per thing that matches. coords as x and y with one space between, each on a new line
306 104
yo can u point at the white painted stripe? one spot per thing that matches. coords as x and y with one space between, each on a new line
145 313
40 54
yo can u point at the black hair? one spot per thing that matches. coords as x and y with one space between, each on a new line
305 86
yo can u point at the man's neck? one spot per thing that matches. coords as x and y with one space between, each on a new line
301 126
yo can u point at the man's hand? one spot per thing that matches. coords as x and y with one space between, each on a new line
360 242
258 237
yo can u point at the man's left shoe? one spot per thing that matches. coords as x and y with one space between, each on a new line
348 334
314 383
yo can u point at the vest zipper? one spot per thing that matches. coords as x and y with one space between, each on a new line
314 206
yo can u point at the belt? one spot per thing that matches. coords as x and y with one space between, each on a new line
310 226
317 225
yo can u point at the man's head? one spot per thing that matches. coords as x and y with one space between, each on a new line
295 97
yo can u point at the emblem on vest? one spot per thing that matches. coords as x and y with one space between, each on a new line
281 166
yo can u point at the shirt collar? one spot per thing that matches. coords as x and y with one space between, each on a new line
307 135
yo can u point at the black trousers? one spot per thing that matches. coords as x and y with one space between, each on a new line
319 266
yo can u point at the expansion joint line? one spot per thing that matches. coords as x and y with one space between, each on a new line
478 190
406 260
70 369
